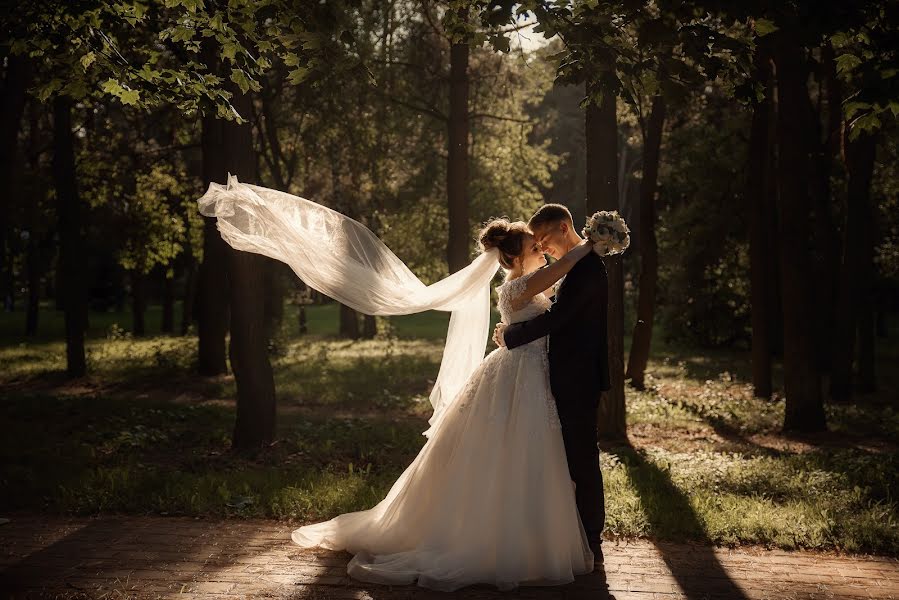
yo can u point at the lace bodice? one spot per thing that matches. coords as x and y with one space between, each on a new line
511 290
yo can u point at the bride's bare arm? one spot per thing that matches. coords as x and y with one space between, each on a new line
544 278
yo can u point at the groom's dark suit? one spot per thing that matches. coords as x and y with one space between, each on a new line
579 373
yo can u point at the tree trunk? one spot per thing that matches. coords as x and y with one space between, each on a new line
72 259
35 228
168 304
255 425
770 206
457 162
802 380
881 324
190 291
369 327
274 299
12 100
826 256
760 223
602 194
349 323
212 295
649 251
857 268
32 273
301 319
138 302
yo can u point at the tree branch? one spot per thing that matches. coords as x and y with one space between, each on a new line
497 117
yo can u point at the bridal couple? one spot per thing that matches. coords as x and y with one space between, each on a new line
507 489
489 499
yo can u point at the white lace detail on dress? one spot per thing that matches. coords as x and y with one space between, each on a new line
537 305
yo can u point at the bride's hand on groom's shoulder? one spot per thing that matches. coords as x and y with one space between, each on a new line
583 249
498 334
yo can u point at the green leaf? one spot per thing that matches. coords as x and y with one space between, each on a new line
131 97
87 60
852 108
239 77
76 89
500 43
764 26
229 50
839 39
298 75
111 86
46 91
847 62
868 122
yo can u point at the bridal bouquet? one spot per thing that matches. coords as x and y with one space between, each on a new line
608 231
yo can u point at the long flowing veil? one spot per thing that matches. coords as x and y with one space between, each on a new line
343 259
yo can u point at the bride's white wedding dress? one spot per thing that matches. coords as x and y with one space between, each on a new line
488 499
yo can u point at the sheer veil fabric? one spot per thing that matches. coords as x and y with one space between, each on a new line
343 259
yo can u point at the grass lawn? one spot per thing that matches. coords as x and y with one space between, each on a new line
705 460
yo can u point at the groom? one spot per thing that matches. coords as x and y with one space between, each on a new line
578 359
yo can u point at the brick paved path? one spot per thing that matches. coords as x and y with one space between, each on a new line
130 557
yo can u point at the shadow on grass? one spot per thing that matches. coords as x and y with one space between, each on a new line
698 572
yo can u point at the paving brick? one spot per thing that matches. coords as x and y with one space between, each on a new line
147 557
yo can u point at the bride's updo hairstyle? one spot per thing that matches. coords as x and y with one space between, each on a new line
506 236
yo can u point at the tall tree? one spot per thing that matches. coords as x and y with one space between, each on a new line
638 357
601 128
458 131
212 301
248 350
855 326
72 263
802 378
760 224
15 81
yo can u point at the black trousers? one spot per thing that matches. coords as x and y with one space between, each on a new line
579 434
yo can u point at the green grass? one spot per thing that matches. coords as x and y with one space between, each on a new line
706 461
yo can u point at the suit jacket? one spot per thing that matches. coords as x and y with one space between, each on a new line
577 324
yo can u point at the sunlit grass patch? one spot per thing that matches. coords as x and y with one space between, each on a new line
369 374
811 500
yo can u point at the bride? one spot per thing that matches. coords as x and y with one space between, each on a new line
488 499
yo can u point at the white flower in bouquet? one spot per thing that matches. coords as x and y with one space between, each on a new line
608 231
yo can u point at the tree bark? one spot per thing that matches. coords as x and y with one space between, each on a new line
255 425
369 327
35 225
168 304
12 100
190 290
826 256
212 295
770 207
856 274
72 259
349 323
602 194
138 302
649 251
457 162
760 223
274 299
802 380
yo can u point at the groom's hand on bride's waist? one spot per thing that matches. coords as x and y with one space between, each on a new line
498 334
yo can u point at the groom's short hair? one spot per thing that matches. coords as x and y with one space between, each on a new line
548 214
